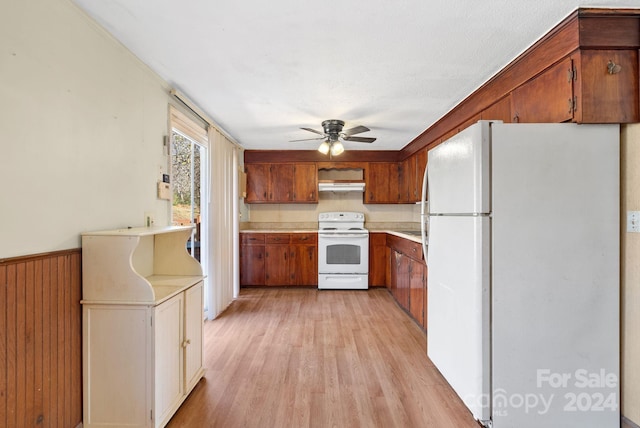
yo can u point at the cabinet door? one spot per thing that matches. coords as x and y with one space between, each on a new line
257 182
417 289
304 265
547 98
281 182
168 333
277 264
395 275
305 183
603 96
404 281
421 165
252 264
408 179
377 182
383 183
377 259
192 342
117 354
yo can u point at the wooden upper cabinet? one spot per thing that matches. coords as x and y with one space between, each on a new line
606 86
500 110
282 182
384 183
305 182
590 86
409 179
377 182
258 177
412 172
546 98
421 165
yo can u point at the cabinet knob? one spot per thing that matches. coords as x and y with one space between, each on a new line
186 343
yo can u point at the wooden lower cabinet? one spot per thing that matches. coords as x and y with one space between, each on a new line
252 259
303 263
408 277
279 259
276 261
418 292
378 259
400 265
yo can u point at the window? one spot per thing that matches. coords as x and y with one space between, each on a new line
187 177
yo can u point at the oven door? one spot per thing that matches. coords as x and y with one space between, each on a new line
343 253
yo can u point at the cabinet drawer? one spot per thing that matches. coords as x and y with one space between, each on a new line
277 238
252 238
304 238
405 246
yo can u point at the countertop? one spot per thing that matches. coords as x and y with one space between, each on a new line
412 235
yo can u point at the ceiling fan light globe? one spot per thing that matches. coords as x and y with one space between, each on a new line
337 148
324 148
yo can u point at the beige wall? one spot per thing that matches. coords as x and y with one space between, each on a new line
83 122
630 270
329 201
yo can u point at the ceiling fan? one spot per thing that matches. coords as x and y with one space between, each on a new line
333 133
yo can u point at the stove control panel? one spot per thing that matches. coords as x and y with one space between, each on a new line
341 216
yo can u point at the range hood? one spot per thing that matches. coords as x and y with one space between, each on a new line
340 186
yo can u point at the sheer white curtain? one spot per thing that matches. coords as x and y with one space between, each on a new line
223 230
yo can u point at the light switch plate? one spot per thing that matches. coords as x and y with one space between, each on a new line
633 221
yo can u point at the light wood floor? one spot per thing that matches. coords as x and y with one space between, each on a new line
308 358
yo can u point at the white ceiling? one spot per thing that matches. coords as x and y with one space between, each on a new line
263 69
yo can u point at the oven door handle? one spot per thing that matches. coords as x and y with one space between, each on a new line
343 235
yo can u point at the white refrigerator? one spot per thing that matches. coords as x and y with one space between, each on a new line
522 249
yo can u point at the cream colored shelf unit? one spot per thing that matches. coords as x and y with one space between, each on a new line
142 321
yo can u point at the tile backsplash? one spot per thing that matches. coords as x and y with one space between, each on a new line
328 201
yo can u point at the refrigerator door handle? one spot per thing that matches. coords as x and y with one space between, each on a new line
424 215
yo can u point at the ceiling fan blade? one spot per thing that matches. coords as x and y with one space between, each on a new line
360 139
313 130
307 139
356 130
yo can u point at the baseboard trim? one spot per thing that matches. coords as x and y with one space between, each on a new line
626 423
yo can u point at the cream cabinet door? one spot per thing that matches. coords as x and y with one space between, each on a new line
193 335
168 328
116 371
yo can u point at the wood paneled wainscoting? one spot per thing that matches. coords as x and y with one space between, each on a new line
40 340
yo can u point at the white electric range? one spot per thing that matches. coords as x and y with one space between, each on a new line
343 251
